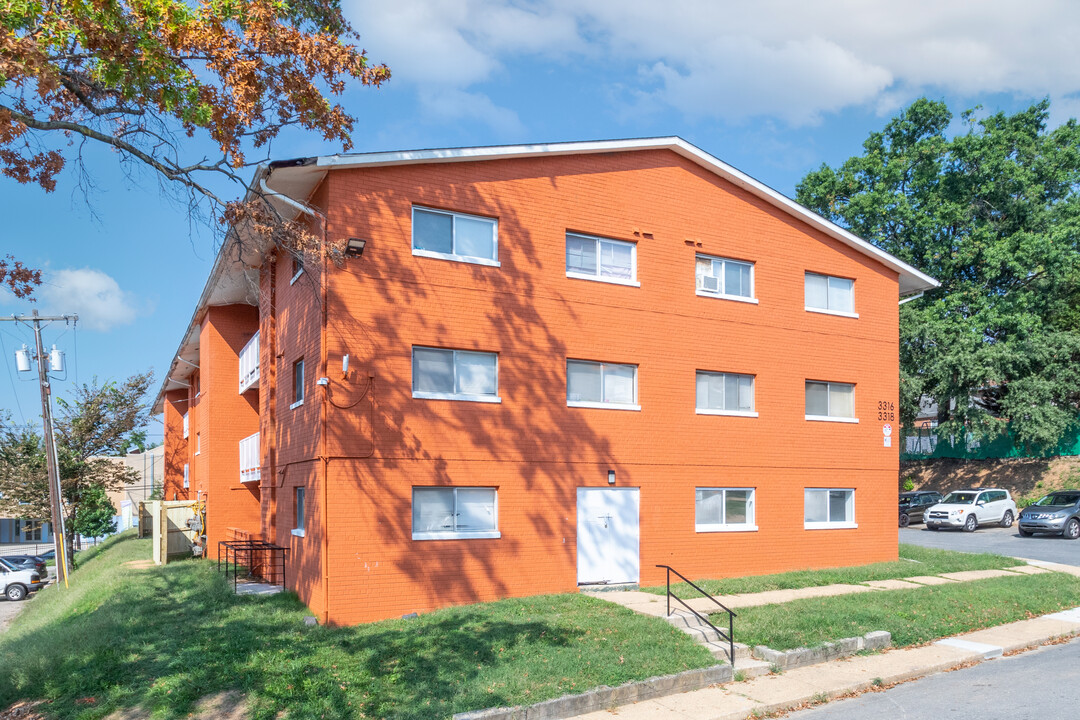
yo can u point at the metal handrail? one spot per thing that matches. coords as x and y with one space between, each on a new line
729 635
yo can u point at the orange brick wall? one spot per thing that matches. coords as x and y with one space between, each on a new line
225 417
176 445
532 447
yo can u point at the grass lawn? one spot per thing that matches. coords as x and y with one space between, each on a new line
161 638
913 561
912 616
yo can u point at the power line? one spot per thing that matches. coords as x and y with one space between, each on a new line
14 392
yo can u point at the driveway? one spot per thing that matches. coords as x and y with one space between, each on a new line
8 611
1003 541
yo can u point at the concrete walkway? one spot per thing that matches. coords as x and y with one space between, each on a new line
656 605
794 688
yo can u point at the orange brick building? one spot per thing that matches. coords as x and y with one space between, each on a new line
550 366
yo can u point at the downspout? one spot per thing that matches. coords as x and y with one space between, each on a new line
913 297
324 461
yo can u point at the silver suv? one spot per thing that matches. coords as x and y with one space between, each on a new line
1058 513
968 509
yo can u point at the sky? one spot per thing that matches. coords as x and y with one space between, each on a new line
774 88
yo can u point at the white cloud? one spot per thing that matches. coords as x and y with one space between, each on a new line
452 104
96 297
738 60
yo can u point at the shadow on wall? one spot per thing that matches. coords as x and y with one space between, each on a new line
531 446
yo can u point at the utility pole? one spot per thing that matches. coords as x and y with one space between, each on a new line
55 491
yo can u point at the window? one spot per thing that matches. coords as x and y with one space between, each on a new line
601 385
454 236
723 509
828 508
298 513
455 375
720 277
185 425
725 394
198 443
187 481
298 383
830 295
593 258
455 513
830 401
297 269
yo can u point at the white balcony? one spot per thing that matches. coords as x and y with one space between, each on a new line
250 470
249 364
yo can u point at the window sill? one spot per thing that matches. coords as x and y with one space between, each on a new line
296 404
838 313
830 526
455 396
731 413
455 258
826 418
298 533
451 535
198 453
720 296
296 276
601 405
598 278
724 528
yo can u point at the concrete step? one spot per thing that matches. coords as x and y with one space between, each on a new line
751 668
719 649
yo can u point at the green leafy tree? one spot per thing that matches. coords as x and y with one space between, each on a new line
95 514
98 422
993 213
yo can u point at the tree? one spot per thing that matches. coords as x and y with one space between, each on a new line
144 76
20 279
98 422
95 514
992 212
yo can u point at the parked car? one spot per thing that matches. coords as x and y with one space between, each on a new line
1057 513
28 562
47 556
968 509
16 582
913 505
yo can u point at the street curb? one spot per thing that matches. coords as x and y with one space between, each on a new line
605 697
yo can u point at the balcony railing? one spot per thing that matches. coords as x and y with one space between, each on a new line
249 364
250 470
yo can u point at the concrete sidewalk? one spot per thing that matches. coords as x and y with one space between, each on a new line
795 688
656 605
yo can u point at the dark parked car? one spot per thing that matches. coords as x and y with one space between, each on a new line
914 504
1057 513
28 562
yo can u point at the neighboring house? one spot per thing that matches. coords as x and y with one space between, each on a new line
25 531
552 365
150 465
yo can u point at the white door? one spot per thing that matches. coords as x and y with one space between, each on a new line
607 535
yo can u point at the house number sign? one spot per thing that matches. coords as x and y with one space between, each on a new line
886 411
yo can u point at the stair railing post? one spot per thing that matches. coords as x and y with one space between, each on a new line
669 592
731 638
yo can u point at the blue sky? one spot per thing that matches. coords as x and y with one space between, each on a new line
773 88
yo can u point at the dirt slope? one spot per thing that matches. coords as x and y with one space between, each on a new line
1023 477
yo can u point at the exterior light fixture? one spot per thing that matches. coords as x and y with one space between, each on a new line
610 477
354 247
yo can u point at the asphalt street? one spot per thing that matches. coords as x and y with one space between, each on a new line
1038 685
1002 541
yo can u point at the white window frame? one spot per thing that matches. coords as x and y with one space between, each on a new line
827 311
299 269
454 257
299 510
751 512
198 443
828 395
454 534
464 397
723 295
732 413
597 277
301 386
601 405
185 426
187 477
849 524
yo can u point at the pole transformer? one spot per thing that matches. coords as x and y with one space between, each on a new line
55 491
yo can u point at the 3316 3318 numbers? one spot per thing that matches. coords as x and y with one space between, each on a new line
886 411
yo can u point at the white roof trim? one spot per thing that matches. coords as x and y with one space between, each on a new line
917 279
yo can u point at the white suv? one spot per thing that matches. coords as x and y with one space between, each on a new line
16 583
968 509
